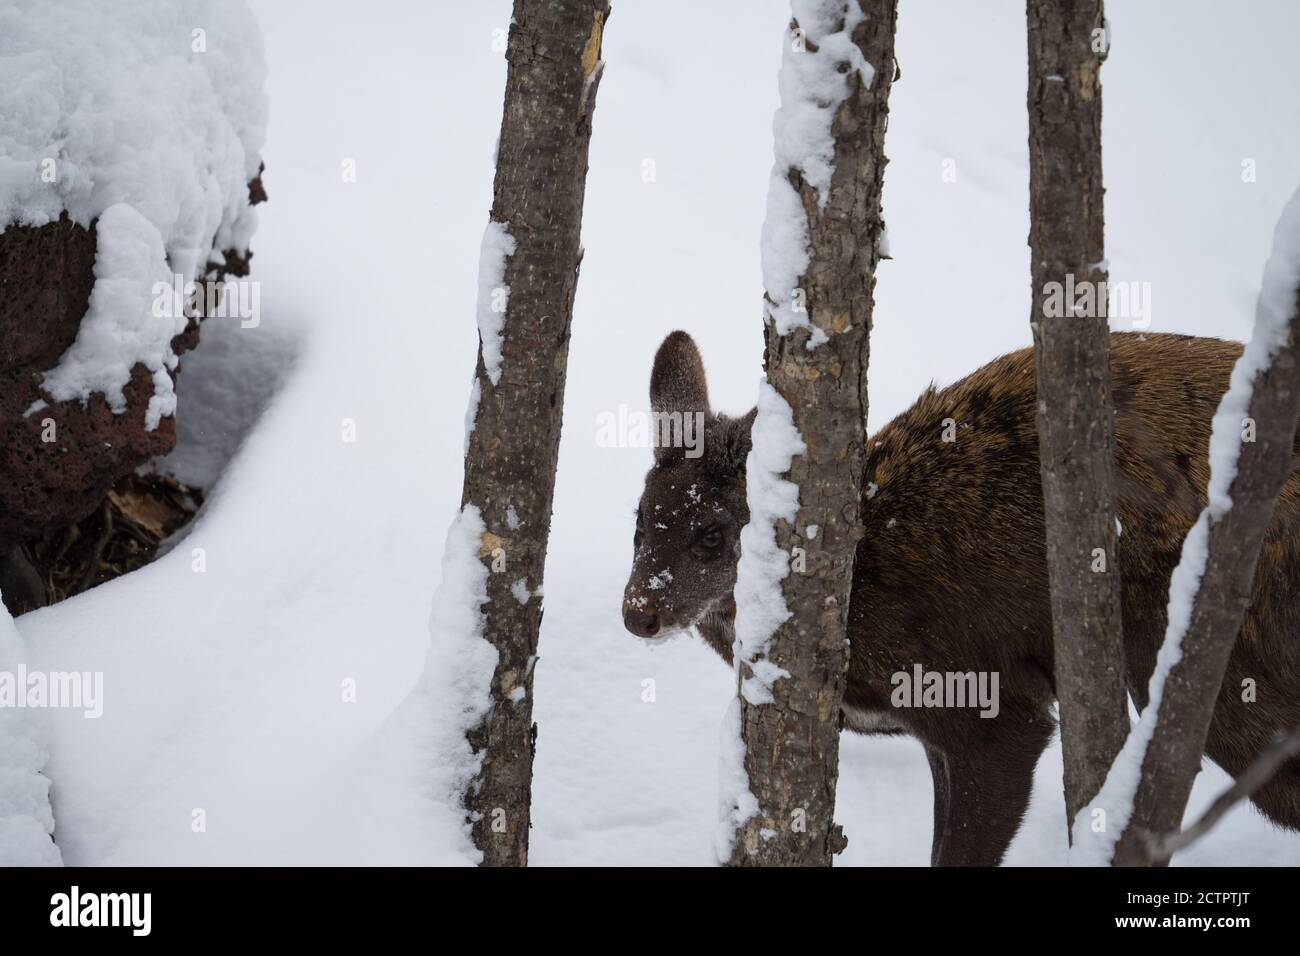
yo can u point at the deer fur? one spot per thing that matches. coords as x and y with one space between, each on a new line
951 572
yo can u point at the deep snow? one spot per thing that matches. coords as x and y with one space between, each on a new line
225 689
26 818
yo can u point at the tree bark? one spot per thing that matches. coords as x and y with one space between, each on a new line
554 68
792 744
1173 755
1075 418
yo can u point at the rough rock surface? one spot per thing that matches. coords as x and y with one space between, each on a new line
46 275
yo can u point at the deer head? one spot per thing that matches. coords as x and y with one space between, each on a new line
687 540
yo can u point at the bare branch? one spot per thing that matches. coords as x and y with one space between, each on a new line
1270 759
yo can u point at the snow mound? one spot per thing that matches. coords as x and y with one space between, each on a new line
148 116
26 822
423 748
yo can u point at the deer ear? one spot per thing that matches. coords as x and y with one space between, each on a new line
677 382
732 442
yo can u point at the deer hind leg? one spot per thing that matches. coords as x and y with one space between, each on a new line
1240 731
1279 799
939 775
981 790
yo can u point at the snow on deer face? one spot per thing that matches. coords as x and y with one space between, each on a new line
687 539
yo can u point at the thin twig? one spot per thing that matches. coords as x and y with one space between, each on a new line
1282 748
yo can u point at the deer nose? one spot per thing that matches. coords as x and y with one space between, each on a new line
641 623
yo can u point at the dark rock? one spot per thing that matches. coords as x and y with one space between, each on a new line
256 191
21 584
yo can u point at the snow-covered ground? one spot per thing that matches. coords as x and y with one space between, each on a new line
248 707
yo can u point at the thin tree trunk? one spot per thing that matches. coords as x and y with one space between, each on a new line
792 743
554 69
1075 419
1186 705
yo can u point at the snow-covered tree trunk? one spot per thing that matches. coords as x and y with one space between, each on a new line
820 249
528 275
1076 417
1251 445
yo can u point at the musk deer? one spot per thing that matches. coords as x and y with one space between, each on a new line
951 573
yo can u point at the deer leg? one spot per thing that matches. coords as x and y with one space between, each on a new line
939 775
986 790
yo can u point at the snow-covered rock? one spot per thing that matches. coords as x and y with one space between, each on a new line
130 159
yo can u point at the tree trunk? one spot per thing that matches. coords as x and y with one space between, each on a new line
1075 418
792 743
1191 688
554 69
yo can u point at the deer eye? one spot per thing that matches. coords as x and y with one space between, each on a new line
711 538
